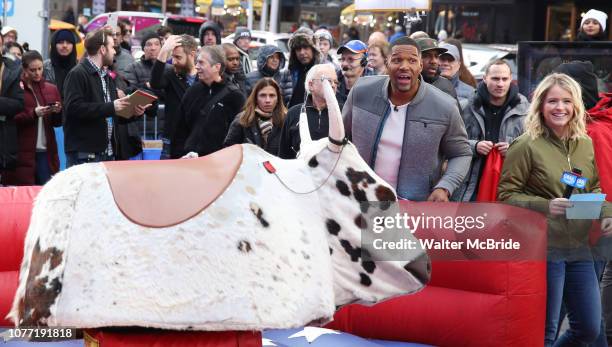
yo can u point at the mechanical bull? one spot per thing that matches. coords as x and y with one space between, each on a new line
236 240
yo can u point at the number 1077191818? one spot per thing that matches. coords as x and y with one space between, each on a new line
37 333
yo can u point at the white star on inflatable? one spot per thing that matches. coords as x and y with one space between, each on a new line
313 333
267 342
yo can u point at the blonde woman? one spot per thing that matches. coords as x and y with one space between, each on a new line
555 141
377 55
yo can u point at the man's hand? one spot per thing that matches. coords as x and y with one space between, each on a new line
502 147
558 206
169 45
438 195
56 108
190 155
120 93
140 110
606 225
121 103
484 147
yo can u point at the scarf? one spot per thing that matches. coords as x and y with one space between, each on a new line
264 122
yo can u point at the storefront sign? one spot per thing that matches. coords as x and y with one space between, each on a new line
187 8
392 5
98 7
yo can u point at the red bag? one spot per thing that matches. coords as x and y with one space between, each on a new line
487 188
599 128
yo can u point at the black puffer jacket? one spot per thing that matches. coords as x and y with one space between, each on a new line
238 134
210 25
11 103
139 73
282 77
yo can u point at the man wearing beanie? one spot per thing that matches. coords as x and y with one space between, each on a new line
325 41
593 26
242 40
304 54
139 73
62 58
210 34
583 73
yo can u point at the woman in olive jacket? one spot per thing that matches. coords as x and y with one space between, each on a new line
555 141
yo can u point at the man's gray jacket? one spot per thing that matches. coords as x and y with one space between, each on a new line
510 128
434 131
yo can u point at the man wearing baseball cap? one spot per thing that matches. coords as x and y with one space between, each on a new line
353 64
430 52
242 40
450 62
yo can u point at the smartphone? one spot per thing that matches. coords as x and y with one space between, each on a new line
51 104
112 20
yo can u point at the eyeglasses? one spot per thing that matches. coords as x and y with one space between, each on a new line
331 81
350 60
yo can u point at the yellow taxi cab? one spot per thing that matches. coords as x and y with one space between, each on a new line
55 25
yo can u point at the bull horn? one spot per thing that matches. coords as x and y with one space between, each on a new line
336 125
305 138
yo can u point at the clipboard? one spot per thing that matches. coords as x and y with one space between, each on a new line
138 97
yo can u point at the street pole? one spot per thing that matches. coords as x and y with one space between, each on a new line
45 29
264 15
4 7
250 15
274 16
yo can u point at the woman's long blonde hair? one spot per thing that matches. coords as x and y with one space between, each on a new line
534 122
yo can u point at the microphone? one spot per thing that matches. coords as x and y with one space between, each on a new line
395 108
568 187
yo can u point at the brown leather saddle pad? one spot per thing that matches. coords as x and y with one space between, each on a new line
168 192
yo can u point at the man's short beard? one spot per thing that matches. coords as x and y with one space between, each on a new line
183 69
106 61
